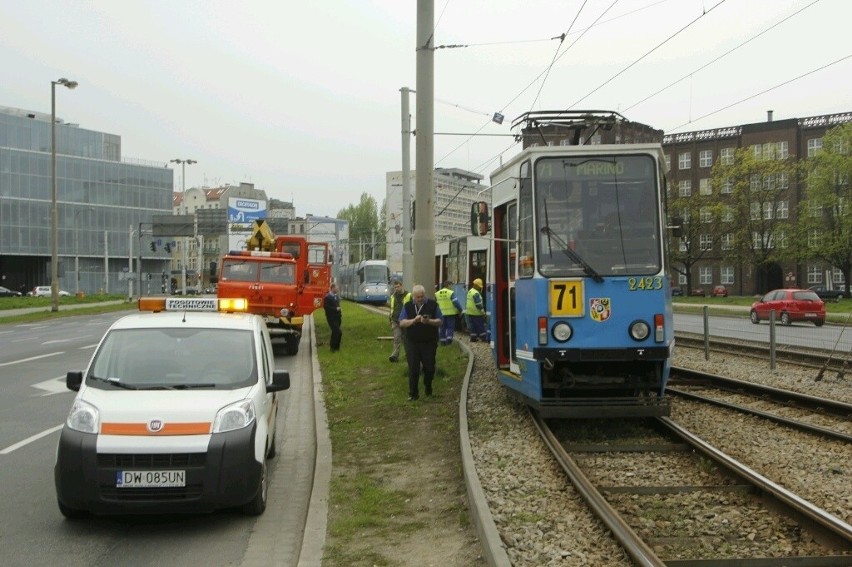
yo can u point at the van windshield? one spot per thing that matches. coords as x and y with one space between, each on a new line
169 358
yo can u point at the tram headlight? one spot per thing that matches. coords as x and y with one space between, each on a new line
562 331
639 330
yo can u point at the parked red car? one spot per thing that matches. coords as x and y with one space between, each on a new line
789 305
719 291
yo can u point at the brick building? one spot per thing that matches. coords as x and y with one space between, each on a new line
690 157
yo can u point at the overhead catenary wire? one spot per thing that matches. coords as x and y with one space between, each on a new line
641 57
749 40
556 53
704 12
543 73
811 72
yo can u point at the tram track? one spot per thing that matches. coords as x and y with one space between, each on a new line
820 416
649 512
824 360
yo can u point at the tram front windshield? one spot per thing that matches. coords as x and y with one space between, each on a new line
374 274
597 216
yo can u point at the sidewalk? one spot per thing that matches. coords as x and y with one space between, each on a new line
44 308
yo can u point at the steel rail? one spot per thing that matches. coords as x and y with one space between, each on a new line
634 545
819 516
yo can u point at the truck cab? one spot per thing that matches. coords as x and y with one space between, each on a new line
267 280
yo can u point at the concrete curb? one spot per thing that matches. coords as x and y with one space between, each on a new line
313 540
492 546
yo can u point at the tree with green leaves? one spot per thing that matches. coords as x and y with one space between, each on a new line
365 234
700 216
754 208
825 213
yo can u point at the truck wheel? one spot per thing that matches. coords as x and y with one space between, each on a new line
291 347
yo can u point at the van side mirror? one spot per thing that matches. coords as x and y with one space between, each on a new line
480 220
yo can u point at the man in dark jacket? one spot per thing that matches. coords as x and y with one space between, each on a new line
331 303
421 318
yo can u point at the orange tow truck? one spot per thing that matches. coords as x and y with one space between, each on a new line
283 278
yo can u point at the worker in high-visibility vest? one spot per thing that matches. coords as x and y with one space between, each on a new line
475 311
450 307
398 298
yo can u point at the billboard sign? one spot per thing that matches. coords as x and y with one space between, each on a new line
245 211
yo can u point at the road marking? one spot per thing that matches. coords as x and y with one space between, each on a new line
31 358
52 386
29 440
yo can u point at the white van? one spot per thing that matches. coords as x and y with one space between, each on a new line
175 413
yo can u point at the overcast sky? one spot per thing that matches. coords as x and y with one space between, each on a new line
302 98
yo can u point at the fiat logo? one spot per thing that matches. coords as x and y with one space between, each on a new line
155 425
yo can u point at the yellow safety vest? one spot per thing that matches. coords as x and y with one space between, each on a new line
472 309
444 297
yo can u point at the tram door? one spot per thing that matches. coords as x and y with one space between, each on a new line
505 237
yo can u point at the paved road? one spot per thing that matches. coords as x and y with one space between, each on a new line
45 308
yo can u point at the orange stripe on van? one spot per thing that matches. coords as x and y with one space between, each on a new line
201 428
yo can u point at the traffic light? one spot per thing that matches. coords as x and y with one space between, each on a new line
168 248
153 247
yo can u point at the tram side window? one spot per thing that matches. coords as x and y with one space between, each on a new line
452 271
526 246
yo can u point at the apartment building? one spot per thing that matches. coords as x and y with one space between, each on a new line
690 157
455 191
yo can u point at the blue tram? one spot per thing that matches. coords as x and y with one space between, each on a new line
578 289
461 260
365 281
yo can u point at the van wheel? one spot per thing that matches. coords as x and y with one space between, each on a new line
257 505
272 449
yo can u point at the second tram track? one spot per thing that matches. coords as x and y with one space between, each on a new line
668 506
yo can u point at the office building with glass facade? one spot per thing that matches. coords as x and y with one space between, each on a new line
102 203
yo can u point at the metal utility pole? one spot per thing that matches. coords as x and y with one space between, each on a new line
183 163
54 213
424 232
407 258
130 265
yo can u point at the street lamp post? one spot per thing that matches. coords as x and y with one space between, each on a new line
183 163
54 216
77 249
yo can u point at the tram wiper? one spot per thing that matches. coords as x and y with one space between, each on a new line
576 258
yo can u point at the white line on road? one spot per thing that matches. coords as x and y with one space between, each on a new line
31 358
29 440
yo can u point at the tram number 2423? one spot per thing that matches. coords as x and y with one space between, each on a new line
566 297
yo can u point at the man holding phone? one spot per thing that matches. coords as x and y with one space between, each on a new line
421 318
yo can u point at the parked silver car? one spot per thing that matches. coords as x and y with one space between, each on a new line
44 291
